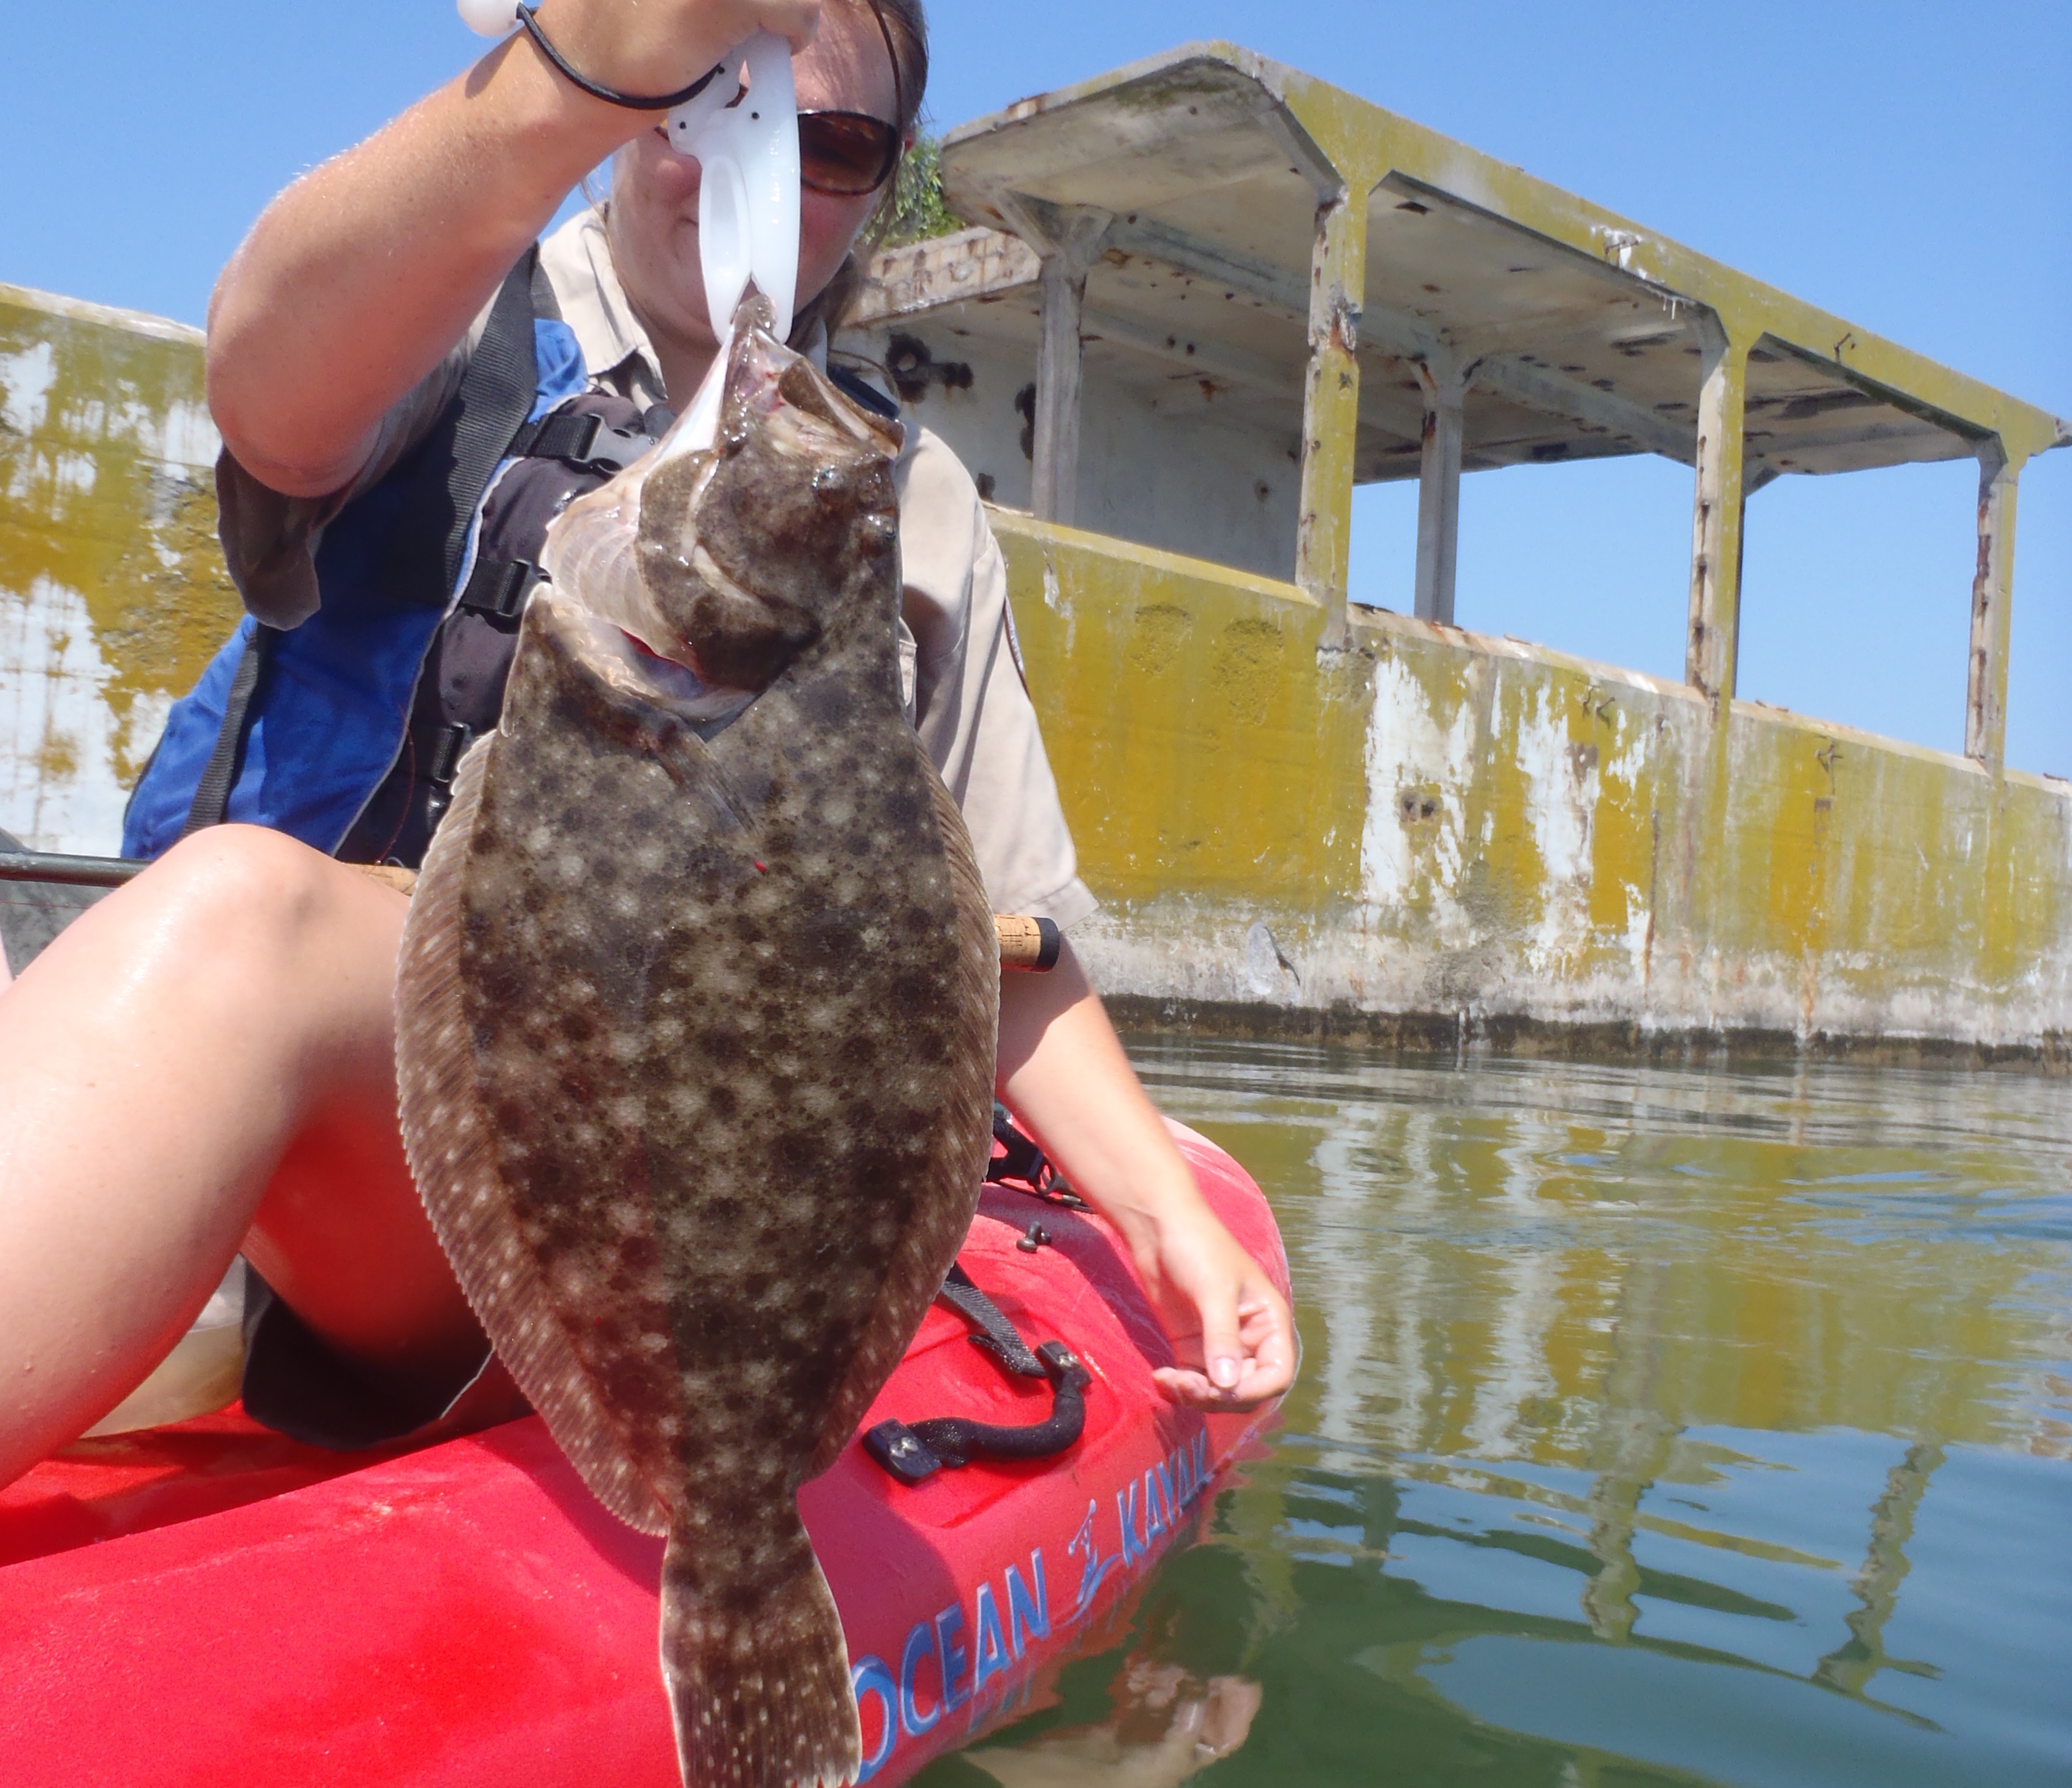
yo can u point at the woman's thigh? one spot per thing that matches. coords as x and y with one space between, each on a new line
210 1051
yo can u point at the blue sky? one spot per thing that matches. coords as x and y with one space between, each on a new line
1907 165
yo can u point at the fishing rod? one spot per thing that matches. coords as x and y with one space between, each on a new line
1026 942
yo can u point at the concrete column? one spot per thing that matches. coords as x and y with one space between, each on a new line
1066 239
1851 1665
1712 649
1631 1450
1439 491
1985 706
1331 404
1751 481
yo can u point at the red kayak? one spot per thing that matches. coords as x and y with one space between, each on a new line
213 1603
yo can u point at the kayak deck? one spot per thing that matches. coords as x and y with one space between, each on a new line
214 1601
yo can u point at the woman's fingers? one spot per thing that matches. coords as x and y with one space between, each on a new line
1267 1327
1222 1346
659 49
797 21
1229 1326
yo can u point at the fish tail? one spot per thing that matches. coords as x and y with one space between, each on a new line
756 1666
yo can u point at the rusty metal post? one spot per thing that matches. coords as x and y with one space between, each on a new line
1331 404
1992 586
1066 240
1712 650
1439 490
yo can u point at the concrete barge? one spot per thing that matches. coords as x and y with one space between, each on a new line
1205 296
1201 298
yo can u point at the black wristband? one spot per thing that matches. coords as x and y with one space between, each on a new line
633 102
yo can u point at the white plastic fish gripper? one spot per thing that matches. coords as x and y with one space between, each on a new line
744 130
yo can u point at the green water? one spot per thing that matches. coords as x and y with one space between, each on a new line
1655 1426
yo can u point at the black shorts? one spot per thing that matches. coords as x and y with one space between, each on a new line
296 1383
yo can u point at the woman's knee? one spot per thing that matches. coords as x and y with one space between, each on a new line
241 904
239 889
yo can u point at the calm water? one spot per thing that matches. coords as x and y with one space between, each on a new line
1654 1427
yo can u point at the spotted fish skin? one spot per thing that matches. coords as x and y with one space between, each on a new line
697 1040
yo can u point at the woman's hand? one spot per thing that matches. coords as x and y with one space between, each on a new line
1064 1075
1230 1327
359 280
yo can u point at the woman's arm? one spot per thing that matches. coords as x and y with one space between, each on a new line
358 280
1064 1075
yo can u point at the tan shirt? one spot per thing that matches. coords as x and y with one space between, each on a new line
961 671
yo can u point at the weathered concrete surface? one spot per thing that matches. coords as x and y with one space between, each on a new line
112 591
1445 834
1420 833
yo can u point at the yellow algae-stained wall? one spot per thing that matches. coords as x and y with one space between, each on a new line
1409 829
112 591
1428 831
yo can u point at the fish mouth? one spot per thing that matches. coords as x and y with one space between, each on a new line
710 594
629 665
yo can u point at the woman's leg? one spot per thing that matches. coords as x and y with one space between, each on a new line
207 1052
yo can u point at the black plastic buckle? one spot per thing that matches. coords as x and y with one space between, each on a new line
902 1452
600 449
446 754
500 588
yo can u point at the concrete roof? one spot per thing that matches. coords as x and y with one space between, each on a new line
1579 330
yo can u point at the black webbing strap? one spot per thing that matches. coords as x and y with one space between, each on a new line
212 798
451 469
998 1336
544 303
582 438
862 391
500 586
448 748
495 398
1023 1165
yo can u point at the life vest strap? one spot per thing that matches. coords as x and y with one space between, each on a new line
582 439
211 796
500 586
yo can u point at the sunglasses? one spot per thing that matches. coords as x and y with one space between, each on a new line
846 153
843 153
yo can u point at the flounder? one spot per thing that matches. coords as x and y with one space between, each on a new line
698 1006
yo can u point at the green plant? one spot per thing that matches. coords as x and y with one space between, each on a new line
918 209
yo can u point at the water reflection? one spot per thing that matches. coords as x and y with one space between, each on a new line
1655 1426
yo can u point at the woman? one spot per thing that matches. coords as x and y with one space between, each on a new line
205 1062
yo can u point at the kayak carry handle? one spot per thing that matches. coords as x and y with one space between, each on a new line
1026 942
914 1452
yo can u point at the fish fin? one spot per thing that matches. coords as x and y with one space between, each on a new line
927 1250
976 990
760 1696
449 1140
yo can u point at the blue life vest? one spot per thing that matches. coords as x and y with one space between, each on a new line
327 704
344 732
